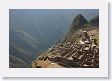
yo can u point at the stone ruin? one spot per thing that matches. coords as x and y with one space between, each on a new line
84 54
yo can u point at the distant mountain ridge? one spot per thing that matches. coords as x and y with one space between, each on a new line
79 21
95 21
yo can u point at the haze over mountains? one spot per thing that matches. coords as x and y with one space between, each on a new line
34 31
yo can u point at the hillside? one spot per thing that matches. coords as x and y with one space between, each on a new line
21 46
79 48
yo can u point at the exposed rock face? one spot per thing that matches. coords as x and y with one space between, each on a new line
95 21
78 22
81 50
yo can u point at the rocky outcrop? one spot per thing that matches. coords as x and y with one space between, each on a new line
78 22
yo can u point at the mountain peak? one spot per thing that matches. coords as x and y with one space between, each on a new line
78 22
95 21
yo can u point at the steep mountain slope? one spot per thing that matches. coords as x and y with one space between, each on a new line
16 62
79 49
78 22
95 21
21 46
